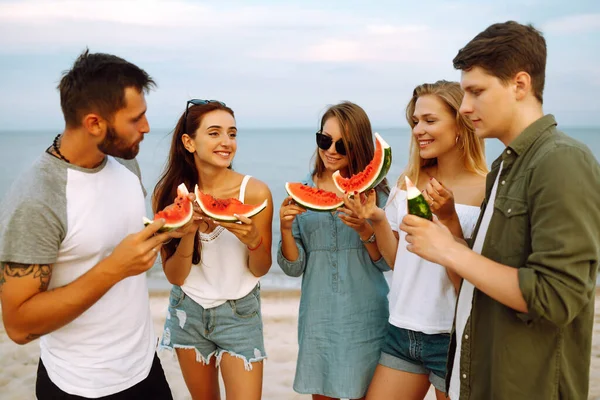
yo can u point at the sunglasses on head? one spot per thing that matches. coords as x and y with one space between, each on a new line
196 102
324 142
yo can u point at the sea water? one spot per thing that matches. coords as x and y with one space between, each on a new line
274 156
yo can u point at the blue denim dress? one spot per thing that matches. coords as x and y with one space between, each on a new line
343 306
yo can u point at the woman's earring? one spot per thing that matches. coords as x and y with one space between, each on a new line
456 141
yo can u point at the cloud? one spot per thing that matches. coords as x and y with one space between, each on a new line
152 12
162 13
573 24
395 29
275 61
184 30
368 44
163 27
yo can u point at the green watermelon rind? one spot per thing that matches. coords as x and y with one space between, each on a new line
220 218
384 168
311 206
415 201
166 227
172 227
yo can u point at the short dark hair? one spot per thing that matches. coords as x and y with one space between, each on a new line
97 83
503 50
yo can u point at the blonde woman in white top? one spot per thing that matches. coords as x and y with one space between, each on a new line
447 162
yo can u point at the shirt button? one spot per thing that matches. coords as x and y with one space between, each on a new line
503 182
466 336
464 376
509 210
508 152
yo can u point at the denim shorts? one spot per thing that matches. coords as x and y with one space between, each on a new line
417 353
235 327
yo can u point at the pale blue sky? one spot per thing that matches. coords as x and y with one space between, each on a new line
279 64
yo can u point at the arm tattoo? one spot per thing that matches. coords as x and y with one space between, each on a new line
43 272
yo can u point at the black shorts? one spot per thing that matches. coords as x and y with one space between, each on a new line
155 386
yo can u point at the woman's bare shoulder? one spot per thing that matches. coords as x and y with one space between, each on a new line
257 191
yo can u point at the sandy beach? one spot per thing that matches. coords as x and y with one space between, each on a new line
280 312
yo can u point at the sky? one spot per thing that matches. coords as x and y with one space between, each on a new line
281 63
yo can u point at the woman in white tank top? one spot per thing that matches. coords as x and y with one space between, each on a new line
423 295
214 319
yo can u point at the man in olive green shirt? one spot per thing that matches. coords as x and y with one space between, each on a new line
530 307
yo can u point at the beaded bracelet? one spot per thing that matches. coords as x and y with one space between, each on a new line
257 246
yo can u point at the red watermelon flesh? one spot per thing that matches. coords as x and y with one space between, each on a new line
313 198
224 209
373 173
177 214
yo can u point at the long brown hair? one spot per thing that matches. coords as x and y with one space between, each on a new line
357 137
472 147
181 167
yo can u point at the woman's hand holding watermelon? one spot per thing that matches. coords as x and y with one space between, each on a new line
441 200
288 212
197 219
246 231
365 206
360 225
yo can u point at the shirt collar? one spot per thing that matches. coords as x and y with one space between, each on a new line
524 141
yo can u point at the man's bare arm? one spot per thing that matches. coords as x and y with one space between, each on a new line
30 310
15 270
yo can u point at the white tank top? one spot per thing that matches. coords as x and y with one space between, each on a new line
223 272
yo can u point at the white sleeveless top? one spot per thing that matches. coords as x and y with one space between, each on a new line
422 296
223 273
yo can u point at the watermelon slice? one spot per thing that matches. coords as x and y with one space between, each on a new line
224 209
177 214
312 198
372 175
416 203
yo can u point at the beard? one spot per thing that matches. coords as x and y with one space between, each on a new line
115 146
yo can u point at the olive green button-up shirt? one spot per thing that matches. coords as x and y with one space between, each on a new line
546 223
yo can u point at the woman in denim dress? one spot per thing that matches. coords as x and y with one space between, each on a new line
214 320
343 306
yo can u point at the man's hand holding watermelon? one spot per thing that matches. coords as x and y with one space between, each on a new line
138 251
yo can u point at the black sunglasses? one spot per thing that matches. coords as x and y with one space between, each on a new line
324 142
196 102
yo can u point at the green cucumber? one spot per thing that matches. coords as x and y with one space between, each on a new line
415 201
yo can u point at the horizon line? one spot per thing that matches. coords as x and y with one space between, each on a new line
162 129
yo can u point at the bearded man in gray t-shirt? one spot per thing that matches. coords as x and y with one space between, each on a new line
73 249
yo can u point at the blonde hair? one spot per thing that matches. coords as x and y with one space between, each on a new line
472 146
357 137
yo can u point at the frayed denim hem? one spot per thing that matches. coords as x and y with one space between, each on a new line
199 357
258 356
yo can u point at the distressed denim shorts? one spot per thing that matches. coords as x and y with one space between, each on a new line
417 353
234 327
